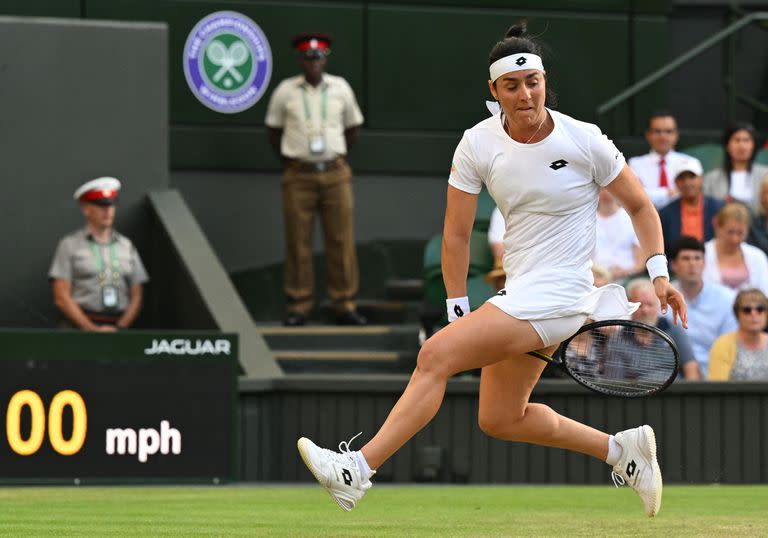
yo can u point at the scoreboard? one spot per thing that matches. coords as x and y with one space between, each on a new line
126 406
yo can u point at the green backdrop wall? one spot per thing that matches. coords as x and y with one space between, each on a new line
418 68
76 105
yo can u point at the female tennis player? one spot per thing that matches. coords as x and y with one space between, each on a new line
544 170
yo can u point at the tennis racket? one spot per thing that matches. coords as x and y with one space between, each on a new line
619 358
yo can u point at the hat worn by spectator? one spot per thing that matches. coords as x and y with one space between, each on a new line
496 272
100 191
313 45
688 165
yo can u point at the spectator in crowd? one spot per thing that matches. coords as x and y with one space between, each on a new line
97 274
312 120
730 261
616 246
641 290
693 213
739 178
654 168
601 275
742 355
758 228
709 304
496 234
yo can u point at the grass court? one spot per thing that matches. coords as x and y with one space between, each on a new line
387 510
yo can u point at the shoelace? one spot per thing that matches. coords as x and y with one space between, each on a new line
344 445
618 480
345 455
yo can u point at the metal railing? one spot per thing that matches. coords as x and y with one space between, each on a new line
684 58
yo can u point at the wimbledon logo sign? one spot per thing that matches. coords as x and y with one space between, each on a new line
227 62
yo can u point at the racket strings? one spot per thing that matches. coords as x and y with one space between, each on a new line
625 360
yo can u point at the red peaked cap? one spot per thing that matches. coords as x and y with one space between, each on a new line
100 191
313 42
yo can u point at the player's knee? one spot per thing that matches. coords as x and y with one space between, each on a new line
501 425
432 358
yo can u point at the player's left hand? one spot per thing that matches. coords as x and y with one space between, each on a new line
669 296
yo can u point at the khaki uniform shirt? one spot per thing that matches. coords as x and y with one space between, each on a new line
286 110
76 262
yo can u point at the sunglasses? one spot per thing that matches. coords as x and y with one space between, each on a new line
748 309
663 131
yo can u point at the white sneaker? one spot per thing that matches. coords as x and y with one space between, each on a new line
638 466
337 472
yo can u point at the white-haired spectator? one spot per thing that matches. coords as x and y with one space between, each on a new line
641 290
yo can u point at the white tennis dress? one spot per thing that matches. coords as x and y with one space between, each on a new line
547 193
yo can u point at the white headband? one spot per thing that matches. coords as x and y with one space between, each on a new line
515 62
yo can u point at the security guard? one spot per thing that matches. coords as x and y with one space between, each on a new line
97 273
313 119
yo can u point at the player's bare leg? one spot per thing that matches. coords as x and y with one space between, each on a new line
486 336
505 412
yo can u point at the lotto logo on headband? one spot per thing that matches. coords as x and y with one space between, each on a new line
515 62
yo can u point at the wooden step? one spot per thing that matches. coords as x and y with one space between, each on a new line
336 355
324 330
335 337
409 289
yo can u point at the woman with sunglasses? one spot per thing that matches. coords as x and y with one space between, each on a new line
743 355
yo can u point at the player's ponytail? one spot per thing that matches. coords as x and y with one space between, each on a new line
519 29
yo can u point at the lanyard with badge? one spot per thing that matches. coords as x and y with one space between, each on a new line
108 276
316 138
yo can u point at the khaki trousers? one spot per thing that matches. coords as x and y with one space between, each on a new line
329 193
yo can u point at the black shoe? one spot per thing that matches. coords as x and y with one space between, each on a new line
295 319
351 317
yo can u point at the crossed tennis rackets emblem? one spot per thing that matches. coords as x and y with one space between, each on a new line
227 59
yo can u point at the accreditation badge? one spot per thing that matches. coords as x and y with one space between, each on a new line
316 144
109 297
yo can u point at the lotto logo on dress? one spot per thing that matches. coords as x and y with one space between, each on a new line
227 62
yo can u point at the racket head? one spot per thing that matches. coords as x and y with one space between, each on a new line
216 52
622 358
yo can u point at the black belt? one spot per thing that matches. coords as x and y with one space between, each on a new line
316 166
102 317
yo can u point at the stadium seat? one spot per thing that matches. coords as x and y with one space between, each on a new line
480 256
710 155
478 291
762 156
480 262
485 206
432 252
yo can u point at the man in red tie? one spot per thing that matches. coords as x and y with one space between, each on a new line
654 168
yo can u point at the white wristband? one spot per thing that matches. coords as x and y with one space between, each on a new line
457 307
657 266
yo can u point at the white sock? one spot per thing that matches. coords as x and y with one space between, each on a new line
614 451
365 469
